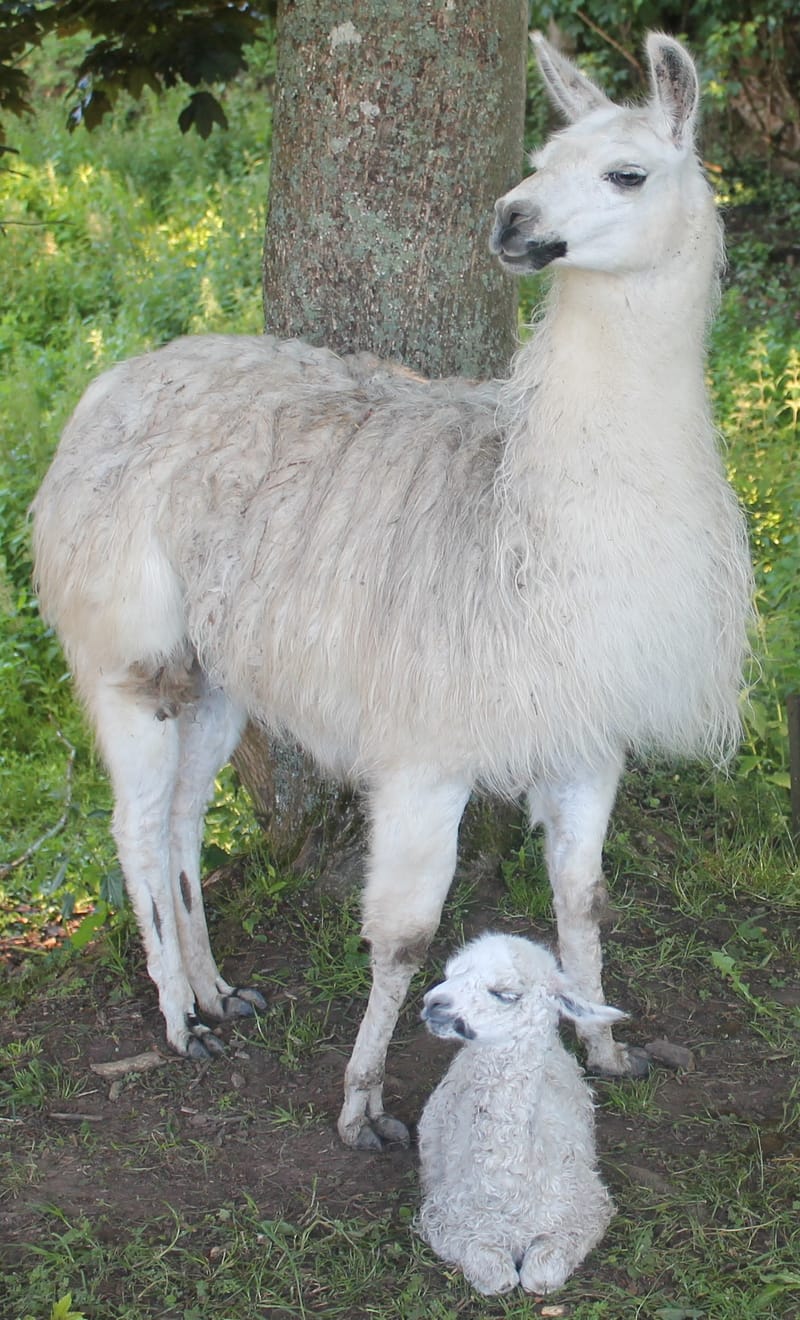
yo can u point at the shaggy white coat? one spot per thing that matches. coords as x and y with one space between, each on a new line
506 1141
432 586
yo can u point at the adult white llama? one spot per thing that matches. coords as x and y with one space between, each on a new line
430 585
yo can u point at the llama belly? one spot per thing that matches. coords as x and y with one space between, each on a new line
367 673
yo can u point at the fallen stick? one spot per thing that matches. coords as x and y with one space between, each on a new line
135 1063
77 1118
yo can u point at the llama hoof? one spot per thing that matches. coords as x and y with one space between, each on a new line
203 1050
375 1134
639 1060
367 1140
242 1002
390 1130
626 1061
202 1044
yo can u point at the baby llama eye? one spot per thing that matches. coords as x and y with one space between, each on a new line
505 996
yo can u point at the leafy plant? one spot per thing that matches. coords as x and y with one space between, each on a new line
153 44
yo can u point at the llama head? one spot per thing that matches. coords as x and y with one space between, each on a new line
619 190
502 988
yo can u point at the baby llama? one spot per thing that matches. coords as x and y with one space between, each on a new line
506 1141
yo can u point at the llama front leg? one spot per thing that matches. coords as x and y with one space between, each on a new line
553 1256
414 834
575 816
209 730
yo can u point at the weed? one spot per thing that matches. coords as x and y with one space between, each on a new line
338 956
34 1084
636 1099
134 208
289 1116
527 890
290 1033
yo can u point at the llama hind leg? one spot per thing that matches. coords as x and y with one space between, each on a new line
548 1262
142 753
575 816
209 729
414 820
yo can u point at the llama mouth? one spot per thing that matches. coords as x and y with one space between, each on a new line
536 256
447 1027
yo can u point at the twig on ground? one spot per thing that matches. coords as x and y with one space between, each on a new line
77 1118
135 1063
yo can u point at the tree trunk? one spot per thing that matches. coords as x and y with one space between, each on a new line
396 128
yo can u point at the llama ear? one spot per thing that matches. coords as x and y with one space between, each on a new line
676 90
570 90
577 1009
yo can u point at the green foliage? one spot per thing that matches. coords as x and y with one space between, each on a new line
153 44
20 27
527 890
28 1082
62 1310
756 381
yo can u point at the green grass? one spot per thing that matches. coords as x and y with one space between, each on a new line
725 1257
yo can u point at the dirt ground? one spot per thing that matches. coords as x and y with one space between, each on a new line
230 1108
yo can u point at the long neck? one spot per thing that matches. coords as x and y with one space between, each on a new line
616 351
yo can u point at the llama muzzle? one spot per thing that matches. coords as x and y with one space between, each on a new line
518 252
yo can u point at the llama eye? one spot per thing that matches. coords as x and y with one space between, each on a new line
633 178
505 996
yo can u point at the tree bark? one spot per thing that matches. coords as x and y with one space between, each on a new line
396 127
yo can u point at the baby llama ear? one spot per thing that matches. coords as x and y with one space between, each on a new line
577 1009
676 90
570 90
582 1010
